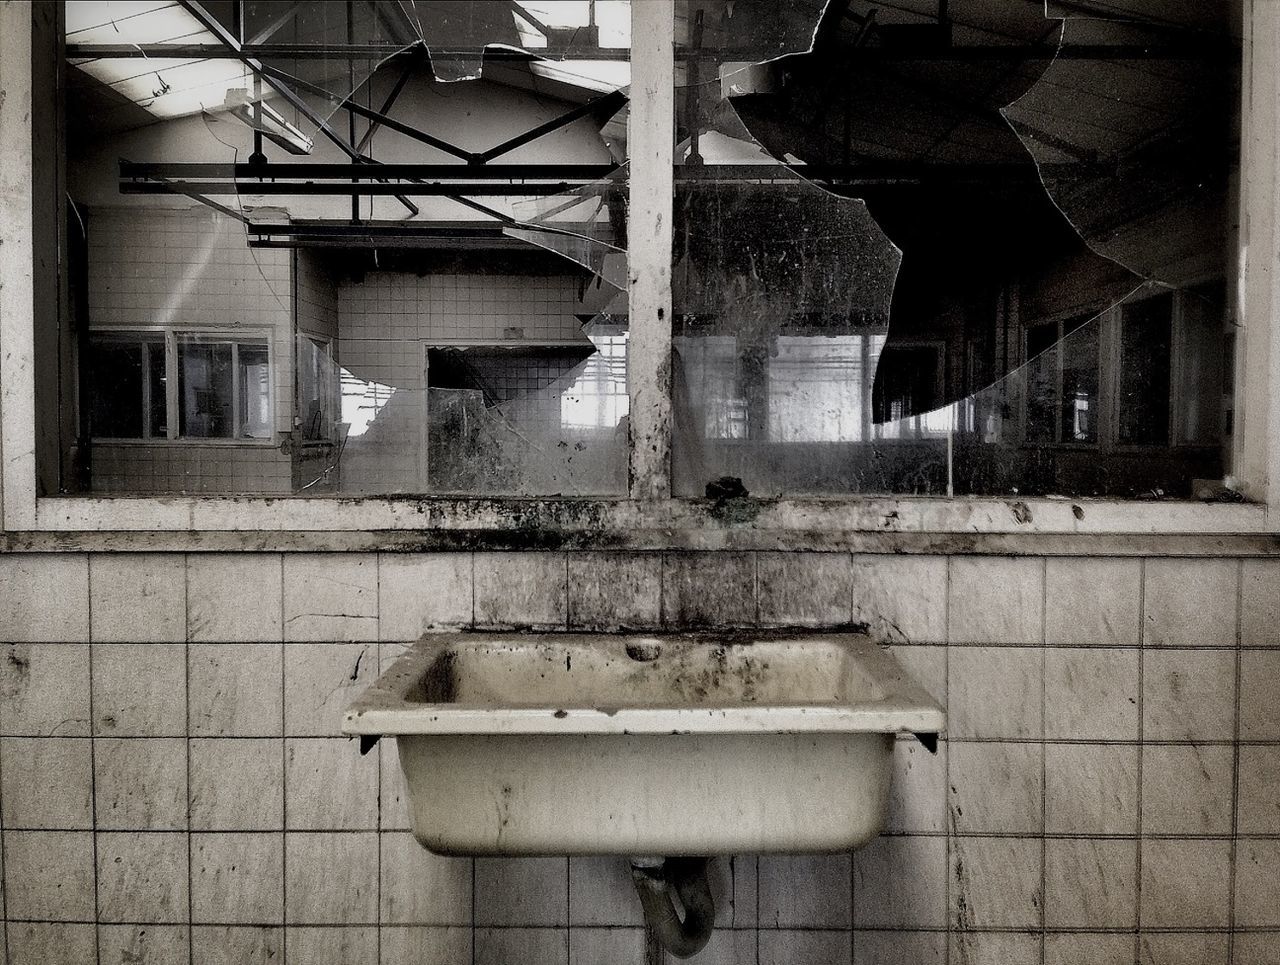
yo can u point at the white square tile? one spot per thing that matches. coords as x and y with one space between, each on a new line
1091 789
1185 883
996 883
1190 603
44 689
1088 949
49 875
348 945
615 946
29 609
995 787
995 692
137 597
234 597
1090 883
521 589
1260 603
1259 793
522 891
320 679
237 784
144 944
601 892
804 589
236 945
139 690
1188 695
393 798
901 598
1092 601
609 591
1186 789
918 792
422 592
992 948
1090 694
996 600
883 947
51 943
1257 886
142 877
331 786
237 878
330 596
1259 684
805 947
805 891
926 665
1189 948
900 882
415 944
314 894
46 783
422 888
140 784
528 946
235 689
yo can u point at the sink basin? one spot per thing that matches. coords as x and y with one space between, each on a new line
691 744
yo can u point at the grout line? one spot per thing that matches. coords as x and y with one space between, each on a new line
1234 847
1137 874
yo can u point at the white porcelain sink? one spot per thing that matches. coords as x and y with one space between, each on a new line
694 744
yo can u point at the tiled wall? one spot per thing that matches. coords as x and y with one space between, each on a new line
172 787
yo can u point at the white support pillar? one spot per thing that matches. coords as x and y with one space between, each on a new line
651 145
17 292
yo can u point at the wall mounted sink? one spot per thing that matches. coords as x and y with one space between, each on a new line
691 744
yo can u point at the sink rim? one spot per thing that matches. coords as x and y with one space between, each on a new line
384 710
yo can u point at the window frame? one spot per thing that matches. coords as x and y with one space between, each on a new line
649 507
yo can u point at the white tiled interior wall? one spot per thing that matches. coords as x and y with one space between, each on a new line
173 788
191 268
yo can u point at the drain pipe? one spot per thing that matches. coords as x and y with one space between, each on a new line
656 879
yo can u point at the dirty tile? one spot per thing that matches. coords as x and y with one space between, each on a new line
235 689
137 597
348 945
1090 883
46 783
1259 793
1092 602
805 947
31 611
1188 948
601 892
330 785
609 591
419 592
421 888
521 590
1185 884
987 948
708 590
416 944
139 690
902 599
393 797
1087 949
1257 886
142 877
1090 694
330 596
995 787
1091 789
235 597
729 947
528 946
237 878
236 945
1186 790
141 784
1259 684
314 894
237 784
1260 603
44 689
734 881
615 946
804 589
996 600
995 883
1190 603
995 692
805 891
900 882
522 891
889 947
144 944
917 794
51 943
49 875
926 665
320 679
1188 695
